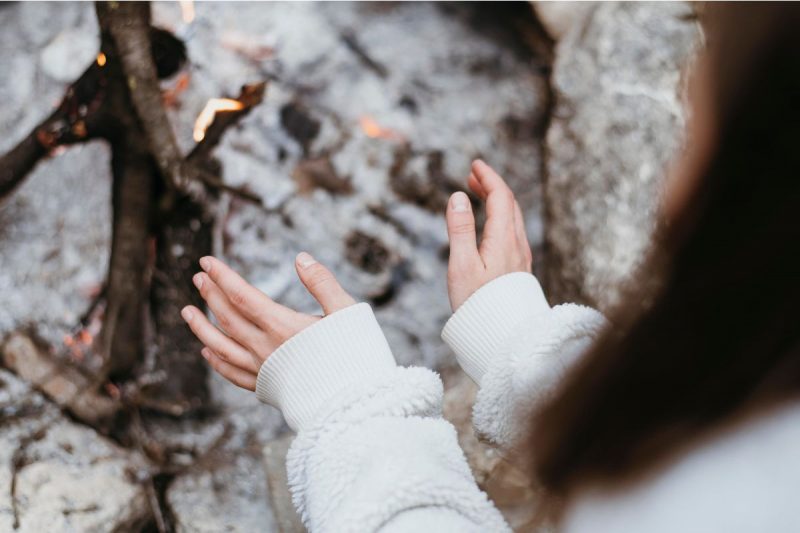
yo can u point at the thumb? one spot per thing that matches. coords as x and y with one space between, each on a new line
461 231
321 284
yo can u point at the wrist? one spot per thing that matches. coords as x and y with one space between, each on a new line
343 350
483 323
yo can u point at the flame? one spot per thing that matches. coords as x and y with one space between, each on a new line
375 131
187 10
101 59
206 116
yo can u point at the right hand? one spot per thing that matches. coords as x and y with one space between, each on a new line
504 246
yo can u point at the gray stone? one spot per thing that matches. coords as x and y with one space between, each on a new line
228 493
616 124
60 476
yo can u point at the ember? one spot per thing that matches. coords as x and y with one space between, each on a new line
376 131
85 337
206 116
101 59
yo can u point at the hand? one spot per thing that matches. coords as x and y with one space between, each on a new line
251 325
504 246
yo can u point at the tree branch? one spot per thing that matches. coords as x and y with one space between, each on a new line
128 23
250 96
78 118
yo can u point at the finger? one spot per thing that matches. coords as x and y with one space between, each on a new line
237 376
522 236
251 302
222 345
475 186
499 203
461 232
229 318
322 284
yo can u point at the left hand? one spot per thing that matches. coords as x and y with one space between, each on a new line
252 325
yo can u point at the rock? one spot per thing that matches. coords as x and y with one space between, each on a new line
60 476
227 496
617 122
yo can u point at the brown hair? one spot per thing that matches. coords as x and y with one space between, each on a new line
715 327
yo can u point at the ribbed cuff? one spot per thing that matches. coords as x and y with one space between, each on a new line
485 321
342 350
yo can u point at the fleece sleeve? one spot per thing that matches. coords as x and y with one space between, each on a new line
516 348
372 451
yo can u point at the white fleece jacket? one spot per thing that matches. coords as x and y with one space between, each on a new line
373 452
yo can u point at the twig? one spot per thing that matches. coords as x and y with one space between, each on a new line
18 461
213 181
149 485
249 96
77 119
83 321
349 39
18 162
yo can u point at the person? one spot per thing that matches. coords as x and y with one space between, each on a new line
684 415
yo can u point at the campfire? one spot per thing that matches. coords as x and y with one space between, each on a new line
154 178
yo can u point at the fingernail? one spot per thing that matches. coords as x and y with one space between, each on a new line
205 264
197 279
460 202
187 314
205 353
305 260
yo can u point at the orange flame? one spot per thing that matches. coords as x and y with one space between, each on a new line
187 10
375 131
206 116
101 59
